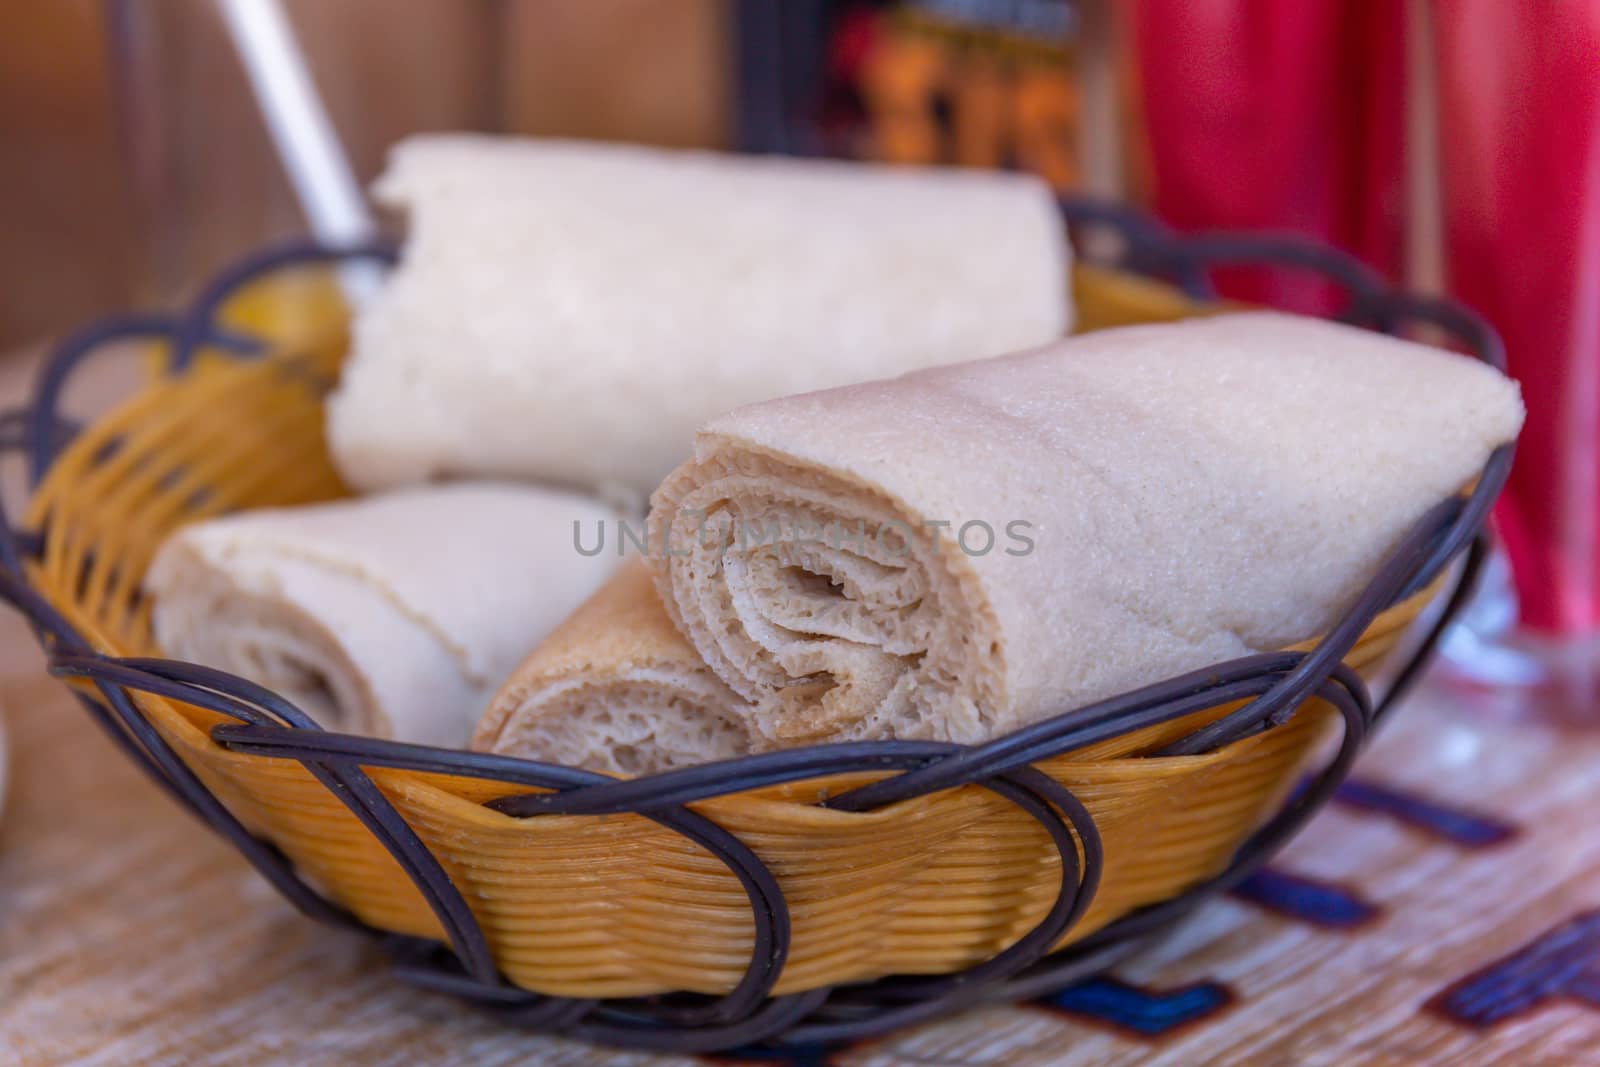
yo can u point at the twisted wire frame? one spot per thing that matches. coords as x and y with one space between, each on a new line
1270 686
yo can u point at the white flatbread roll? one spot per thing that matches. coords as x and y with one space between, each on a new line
572 312
615 688
1186 493
393 615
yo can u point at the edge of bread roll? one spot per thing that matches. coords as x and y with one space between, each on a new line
616 688
1193 492
392 615
599 301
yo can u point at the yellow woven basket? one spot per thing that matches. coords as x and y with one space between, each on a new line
609 906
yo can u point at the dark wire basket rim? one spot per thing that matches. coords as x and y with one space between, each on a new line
1273 686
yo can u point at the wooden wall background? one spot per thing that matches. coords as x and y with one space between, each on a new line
66 220
132 158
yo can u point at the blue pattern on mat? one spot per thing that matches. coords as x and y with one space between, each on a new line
1562 964
1467 829
1306 900
1145 1012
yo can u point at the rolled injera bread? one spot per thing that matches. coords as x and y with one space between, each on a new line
616 688
573 312
1121 507
394 615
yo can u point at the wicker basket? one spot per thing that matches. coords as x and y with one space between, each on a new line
798 896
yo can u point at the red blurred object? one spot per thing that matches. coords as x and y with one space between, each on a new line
1277 116
1519 112
1292 116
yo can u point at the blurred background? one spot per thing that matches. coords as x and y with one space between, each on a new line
1454 145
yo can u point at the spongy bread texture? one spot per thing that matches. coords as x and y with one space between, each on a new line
1192 493
393 615
616 688
572 312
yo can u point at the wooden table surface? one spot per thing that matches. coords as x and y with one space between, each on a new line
1445 911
